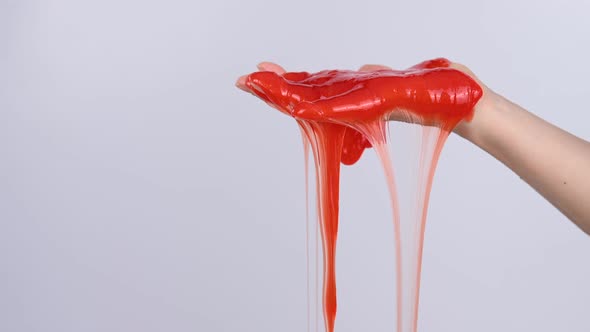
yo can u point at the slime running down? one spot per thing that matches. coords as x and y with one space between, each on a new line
341 113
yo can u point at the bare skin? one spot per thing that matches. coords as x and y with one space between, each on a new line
552 161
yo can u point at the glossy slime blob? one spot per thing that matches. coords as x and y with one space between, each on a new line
341 113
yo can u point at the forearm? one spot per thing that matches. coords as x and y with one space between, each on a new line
554 162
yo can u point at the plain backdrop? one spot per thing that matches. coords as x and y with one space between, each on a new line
141 191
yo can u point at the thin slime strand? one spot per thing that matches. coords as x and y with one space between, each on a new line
430 169
306 143
377 135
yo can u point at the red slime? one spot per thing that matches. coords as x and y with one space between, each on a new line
342 112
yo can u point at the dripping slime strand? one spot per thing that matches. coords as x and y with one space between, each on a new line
306 143
341 113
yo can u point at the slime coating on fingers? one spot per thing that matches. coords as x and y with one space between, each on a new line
431 92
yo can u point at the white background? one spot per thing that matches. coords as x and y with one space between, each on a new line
141 191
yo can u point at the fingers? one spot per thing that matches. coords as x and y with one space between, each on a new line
279 91
241 83
434 63
270 66
370 67
263 66
429 64
266 84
